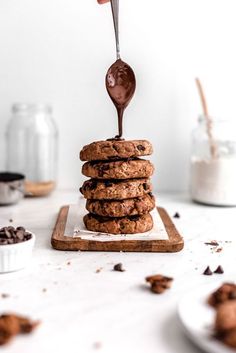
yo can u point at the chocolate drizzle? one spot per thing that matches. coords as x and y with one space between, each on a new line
120 85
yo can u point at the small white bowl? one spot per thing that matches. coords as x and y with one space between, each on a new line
14 257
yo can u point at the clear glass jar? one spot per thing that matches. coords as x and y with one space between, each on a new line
213 163
32 146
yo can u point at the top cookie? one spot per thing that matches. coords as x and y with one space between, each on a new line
115 149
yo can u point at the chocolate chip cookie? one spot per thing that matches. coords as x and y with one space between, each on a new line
226 316
115 149
124 225
115 189
121 169
226 292
229 338
121 208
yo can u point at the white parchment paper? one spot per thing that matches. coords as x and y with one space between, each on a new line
75 228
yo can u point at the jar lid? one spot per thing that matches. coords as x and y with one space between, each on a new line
31 107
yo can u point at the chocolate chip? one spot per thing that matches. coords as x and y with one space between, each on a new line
145 186
11 235
20 234
219 270
207 271
118 267
176 215
232 295
108 183
141 148
91 185
102 168
134 218
21 228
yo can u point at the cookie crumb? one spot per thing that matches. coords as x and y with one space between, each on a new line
118 267
97 345
68 263
44 290
5 295
208 271
212 243
219 270
159 283
176 215
10 220
219 249
98 270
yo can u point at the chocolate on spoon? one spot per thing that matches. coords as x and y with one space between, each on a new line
120 85
120 78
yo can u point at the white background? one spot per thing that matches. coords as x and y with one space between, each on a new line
58 51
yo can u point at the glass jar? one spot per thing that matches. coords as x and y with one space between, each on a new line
32 146
213 163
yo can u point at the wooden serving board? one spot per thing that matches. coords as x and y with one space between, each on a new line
61 242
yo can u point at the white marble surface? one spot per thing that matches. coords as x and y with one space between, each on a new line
85 311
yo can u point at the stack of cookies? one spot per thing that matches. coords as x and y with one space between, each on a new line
119 198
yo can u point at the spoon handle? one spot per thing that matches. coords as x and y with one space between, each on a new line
115 15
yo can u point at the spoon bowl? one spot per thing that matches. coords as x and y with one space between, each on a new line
120 85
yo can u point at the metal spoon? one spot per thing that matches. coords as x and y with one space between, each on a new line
120 78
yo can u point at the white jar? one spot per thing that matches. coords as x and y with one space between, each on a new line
213 178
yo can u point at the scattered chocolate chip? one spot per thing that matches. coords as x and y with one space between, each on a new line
118 267
208 271
44 290
219 270
212 243
68 263
12 325
159 283
11 235
10 220
176 215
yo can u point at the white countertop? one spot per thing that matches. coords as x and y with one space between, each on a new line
84 311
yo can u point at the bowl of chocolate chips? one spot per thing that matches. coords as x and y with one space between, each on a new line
16 245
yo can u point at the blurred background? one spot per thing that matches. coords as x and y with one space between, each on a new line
58 52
